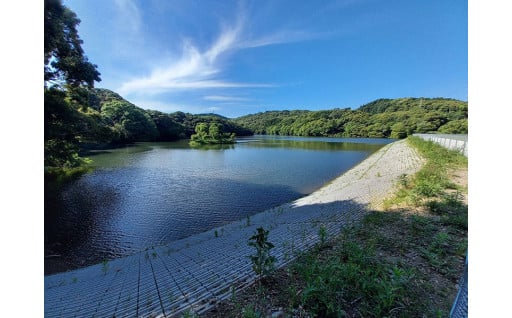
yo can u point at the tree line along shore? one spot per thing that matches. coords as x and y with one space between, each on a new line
88 118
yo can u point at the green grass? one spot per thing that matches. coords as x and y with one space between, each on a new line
322 234
104 266
189 314
352 274
250 312
56 178
432 180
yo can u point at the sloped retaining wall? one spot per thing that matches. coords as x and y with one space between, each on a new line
453 142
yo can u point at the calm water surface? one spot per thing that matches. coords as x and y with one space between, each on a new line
153 193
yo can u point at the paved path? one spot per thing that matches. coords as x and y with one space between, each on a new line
194 273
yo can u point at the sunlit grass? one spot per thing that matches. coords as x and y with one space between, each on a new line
432 180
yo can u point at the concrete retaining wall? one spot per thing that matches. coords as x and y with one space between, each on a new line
459 143
453 142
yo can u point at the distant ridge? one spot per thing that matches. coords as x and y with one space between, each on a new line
382 118
212 115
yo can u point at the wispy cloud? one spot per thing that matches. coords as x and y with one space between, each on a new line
280 37
214 109
202 69
193 70
129 14
168 107
217 98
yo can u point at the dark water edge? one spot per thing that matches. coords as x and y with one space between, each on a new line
58 259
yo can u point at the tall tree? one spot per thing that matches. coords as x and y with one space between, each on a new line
67 74
64 59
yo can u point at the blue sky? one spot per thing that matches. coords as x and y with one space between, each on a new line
242 57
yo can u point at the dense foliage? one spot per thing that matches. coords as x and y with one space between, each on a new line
64 59
123 122
383 118
96 117
128 122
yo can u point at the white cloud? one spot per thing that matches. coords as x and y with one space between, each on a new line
152 85
193 70
280 37
214 109
201 69
129 14
226 41
217 98
168 107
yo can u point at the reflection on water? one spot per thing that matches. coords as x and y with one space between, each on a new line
153 193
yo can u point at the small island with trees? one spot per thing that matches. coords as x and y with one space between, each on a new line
211 134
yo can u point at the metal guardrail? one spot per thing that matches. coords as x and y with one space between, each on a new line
453 142
460 305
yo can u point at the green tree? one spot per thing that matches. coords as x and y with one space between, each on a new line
398 130
455 127
64 59
66 71
61 125
130 122
202 133
168 128
214 130
211 133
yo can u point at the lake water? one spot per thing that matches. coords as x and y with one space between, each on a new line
150 194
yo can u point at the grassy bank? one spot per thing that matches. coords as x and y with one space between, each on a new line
404 261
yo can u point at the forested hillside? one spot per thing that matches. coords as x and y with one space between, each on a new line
383 118
128 122
97 117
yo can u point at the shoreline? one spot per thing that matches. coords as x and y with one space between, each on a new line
65 263
325 194
205 268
